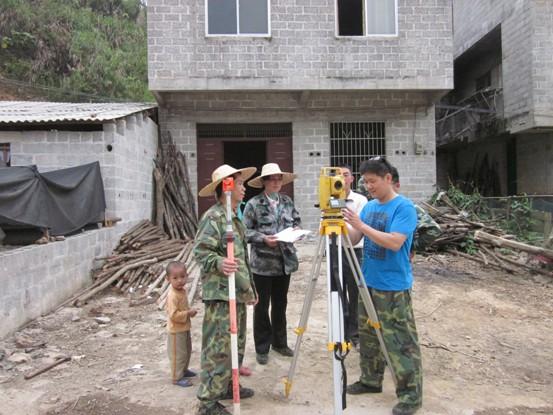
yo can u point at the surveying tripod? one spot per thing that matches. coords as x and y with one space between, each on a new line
333 232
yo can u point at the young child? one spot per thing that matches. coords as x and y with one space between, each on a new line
179 344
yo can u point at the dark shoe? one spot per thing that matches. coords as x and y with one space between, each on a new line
189 374
262 358
185 383
285 351
245 393
405 409
216 409
358 388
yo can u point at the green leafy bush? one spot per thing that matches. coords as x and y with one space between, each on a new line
85 46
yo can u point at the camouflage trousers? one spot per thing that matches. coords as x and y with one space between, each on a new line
215 374
395 313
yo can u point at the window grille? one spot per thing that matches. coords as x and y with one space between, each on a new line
273 130
5 156
351 143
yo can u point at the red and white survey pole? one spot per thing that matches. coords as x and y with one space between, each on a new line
228 187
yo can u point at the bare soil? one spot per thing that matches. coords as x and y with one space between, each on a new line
486 340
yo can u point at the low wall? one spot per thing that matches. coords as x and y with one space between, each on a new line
36 279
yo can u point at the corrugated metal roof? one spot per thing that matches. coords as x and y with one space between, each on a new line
24 112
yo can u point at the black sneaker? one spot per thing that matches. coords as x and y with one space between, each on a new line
216 409
358 388
262 358
285 351
405 409
245 393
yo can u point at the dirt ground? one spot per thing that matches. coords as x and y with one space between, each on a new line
486 340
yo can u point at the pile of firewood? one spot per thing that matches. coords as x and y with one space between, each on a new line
175 208
137 265
483 242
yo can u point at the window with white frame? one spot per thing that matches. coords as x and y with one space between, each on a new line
366 17
237 17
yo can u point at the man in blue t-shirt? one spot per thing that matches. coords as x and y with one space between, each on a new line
387 224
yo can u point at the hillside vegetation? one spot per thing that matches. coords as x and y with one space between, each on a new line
72 47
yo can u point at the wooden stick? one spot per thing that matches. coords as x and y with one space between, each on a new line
110 280
37 372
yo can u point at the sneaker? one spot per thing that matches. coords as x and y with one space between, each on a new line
262 358
358 388
245 393
216 409
189 373
245 371
185 383
405 409
285 351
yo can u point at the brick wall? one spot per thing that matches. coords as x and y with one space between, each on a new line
302 52
527 49
534 163
542 63
126 169
408 115
37 278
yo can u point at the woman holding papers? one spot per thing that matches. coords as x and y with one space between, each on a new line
272 261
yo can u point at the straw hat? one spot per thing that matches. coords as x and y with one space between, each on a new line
222 172
268 170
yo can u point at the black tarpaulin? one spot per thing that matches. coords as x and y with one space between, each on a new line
62 200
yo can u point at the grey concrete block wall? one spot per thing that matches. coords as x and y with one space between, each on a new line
535 163
409 118
542 62
126 169
37 278
302 51
527 49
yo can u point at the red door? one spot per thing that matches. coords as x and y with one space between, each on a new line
211 155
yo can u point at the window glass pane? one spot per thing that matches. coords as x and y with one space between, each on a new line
221 17
381 17
350 17
253 16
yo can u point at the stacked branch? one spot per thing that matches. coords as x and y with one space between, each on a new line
137 264
464 234
175 208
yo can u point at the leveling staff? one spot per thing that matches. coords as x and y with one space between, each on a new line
387 223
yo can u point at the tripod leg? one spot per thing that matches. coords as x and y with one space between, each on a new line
368 303
313 276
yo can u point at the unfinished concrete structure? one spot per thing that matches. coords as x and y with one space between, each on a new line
123 138
495 130
305 83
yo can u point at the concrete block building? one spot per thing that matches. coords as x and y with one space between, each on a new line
496 128
123 138
305 83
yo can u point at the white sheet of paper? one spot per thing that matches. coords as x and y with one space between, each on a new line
291 234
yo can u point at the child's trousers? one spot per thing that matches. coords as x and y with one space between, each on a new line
179 348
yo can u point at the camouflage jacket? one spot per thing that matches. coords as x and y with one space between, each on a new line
210 248
260 220
427 230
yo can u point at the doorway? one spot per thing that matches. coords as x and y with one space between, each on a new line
242 154
242 145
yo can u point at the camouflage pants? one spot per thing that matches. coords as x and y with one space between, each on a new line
395 312
216 355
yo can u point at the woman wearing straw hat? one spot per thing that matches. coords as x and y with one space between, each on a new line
272 262
210 251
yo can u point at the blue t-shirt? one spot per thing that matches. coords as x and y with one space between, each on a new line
383 268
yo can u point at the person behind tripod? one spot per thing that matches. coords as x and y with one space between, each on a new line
387 224
272 262
355 202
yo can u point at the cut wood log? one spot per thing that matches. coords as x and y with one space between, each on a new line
502 242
